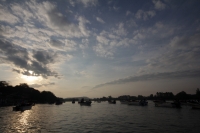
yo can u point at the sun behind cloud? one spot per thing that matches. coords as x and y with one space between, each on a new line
31 79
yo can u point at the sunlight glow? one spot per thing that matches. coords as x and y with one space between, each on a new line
23 121
31 79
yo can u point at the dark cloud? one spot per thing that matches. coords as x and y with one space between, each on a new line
154 76
56 43
15 70
44 57
20 57
58 19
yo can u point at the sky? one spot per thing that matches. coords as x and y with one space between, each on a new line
99 48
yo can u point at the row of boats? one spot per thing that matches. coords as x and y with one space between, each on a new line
163 103
135 102
158 103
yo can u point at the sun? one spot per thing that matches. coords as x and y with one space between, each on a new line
31 78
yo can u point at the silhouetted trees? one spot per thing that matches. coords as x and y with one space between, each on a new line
198 94
182 96
11 95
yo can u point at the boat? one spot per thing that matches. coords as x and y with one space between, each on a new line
58 102
98 101
112 102
193 103
22 107
73 101
174 104
196 106
86 103
124 101
138 103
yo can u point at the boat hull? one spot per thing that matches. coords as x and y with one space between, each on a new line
85 104
167 105
137 103
22 108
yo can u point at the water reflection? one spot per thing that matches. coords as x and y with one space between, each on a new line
25 115
23 120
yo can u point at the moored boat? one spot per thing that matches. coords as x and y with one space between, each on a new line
138 103
73 101
98 101
124 101
86 103
23 107
196 106
112 102
174 104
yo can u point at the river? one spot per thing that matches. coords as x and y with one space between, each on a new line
99 118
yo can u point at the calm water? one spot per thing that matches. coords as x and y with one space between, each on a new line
99 118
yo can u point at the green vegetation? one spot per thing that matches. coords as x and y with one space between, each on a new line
10 95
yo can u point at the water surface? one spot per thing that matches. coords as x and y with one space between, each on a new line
99 118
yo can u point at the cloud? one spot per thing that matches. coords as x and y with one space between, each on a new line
56 43
185 41
100 20
120 30
6 16
128 13
22 59
104 51
87 3
159 5
140 14
116 8
154 76
41 85
109 41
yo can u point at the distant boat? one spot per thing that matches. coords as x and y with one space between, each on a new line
138 103
124 101
73 101
99 101
86 103
168 104
23 107
83 102
58 103
196 106
112 102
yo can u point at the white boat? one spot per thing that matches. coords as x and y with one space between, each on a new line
193 103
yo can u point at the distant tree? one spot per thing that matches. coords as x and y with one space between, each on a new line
198 93
182 95
24 85
140 97
4 84
109 97
151 97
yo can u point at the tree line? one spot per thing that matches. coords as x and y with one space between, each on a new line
10 95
